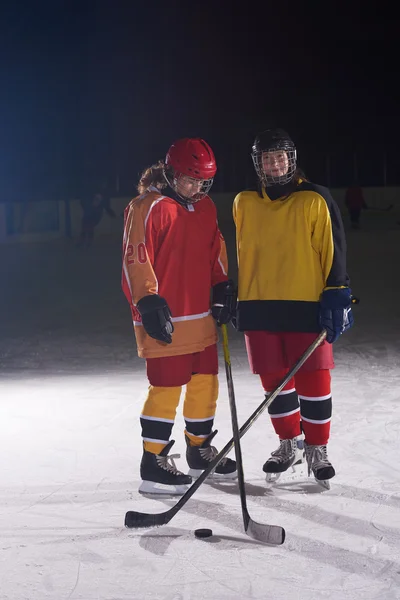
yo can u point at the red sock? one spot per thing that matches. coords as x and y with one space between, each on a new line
314 390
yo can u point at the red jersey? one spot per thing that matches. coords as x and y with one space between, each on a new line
179 253
354 198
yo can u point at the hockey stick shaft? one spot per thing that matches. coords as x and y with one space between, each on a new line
235 426
381 209
270 534
139 519
269 399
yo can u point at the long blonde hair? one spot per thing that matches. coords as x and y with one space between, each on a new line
153 175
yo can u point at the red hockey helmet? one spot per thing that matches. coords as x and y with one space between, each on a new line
192 157
190 168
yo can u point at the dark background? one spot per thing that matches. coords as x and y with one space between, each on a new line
96 91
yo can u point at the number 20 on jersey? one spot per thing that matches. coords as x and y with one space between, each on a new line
136 254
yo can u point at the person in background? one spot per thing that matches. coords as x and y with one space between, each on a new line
94 204
355 203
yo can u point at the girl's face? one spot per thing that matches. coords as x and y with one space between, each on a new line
188 187
275 164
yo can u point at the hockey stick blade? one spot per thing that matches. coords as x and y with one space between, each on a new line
269 534
379 209
135 519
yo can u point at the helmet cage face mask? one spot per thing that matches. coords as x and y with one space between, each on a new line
265 174
274 157
189 189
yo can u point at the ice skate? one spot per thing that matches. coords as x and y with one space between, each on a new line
160 475
287 462
199 458
319 465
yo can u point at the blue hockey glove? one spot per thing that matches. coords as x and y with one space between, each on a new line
335 312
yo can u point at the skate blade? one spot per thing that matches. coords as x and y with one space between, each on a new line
324 483
155 490
293 473
195 474
300 481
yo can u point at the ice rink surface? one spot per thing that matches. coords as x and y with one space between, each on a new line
71 391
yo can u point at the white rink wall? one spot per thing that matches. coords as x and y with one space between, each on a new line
47 220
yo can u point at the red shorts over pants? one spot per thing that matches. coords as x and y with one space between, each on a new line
305 403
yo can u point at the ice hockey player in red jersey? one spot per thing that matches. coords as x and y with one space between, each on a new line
175 279
292 284
355 203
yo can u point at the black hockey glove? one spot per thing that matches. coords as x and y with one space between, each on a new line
156 317
224 298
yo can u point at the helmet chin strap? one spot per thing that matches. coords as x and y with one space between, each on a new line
173 193
183 200
178 198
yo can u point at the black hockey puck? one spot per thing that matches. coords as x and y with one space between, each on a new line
203 533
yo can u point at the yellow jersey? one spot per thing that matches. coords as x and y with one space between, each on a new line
289 250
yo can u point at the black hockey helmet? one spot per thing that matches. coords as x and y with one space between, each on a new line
274 140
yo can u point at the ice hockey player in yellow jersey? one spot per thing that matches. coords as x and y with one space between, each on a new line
293 283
